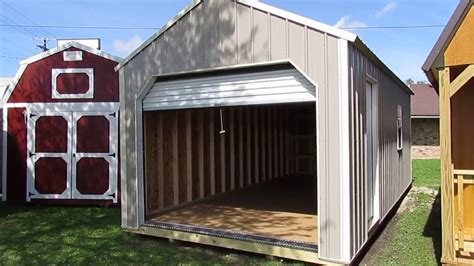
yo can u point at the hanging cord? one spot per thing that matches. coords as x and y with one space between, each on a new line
222 124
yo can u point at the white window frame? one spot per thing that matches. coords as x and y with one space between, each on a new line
55 72
399 128
72 56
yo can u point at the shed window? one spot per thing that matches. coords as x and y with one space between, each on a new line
72 83
399 129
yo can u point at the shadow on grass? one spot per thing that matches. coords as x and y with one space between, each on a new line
432 227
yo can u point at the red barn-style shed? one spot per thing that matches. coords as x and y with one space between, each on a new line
61 128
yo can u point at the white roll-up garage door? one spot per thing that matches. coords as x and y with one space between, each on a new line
264 87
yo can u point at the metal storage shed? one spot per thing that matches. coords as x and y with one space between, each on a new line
60 131
247 127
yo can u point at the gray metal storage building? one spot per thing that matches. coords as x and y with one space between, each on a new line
249 127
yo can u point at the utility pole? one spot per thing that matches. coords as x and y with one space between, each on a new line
44 46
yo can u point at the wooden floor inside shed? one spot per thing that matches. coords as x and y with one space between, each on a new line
284 208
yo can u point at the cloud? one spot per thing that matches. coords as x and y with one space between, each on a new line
386 9
125 47
346 23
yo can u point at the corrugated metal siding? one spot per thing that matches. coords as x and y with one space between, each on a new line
393 179
281 86
224 33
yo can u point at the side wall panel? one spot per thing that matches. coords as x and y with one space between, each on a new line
394 167
16 164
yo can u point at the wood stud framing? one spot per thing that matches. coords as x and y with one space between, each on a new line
241 148
255 146
201 154
452 180
460 182
187 159
232 152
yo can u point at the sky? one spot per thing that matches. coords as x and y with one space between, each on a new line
402 50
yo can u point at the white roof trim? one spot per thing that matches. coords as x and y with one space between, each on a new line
257 5
300 19
168 25
9 89
26 62
66 46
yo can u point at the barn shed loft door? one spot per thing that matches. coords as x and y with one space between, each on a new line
72 155
257 87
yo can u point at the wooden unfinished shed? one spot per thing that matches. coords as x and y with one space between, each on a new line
252 128
450 68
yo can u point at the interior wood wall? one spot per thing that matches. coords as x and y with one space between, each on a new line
186 158
463 148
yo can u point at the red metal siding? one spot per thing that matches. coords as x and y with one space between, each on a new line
72 83
92 176
16 163
76 202
51 134
35 85
51 175
97 126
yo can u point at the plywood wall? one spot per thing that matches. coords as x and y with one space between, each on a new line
459 50
462 133
186 157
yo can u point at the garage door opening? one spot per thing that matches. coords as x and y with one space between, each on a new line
245 172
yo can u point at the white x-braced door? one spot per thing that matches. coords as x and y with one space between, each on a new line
72 155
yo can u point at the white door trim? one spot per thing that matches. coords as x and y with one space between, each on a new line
110 156
375 156
66 106
72 117
4 151
31 192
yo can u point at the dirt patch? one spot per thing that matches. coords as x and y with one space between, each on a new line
386 237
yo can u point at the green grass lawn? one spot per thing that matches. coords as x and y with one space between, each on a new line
87 235
414 237
426 173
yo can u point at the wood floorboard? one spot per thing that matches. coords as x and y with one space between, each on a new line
282 208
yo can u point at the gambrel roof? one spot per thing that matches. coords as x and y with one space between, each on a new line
24 63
